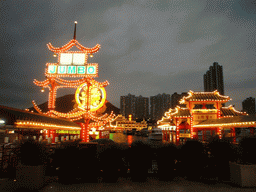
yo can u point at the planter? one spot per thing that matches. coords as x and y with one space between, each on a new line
6 184
243 175
30 177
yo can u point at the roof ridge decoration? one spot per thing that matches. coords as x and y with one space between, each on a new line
163 119
73 43
231 107
177 109
218 97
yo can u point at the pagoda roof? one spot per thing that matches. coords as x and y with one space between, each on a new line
230 112
71 44
205 96
171 111
178 112
13 116
163 121
237 121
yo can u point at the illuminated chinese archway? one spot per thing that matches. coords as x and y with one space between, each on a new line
90 95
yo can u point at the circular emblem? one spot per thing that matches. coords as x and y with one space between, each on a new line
91 99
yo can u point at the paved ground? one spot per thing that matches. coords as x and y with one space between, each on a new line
126 185
152 185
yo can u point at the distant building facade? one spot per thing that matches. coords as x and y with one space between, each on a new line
249 105
138 107
159 104
127 105
213 79
175 98
142 107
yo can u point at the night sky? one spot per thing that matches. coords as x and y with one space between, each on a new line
147 47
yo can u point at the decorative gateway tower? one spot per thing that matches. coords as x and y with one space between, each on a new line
90 95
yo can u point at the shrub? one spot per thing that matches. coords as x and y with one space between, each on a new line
109 159
32 152
140 159
221 152
166 154
66 158
193 158
88 163
247 151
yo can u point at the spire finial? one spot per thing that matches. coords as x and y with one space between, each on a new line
75 30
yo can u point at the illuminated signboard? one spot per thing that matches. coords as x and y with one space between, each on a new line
68 131
96 100
75 59
89 69
72 64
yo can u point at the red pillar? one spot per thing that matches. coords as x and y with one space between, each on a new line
234 134
203 134
53 135
196 134
252 131
165 134
84 136
177 136
52 94
220 133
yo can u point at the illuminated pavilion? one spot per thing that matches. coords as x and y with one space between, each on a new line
200 116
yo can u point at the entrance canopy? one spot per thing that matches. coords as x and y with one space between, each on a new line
230 122
17 118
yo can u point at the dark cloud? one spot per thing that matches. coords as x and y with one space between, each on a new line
147 47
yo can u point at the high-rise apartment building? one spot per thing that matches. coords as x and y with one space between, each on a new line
175 98
249 105
159 104
138 107
142 107
213 79
127 105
